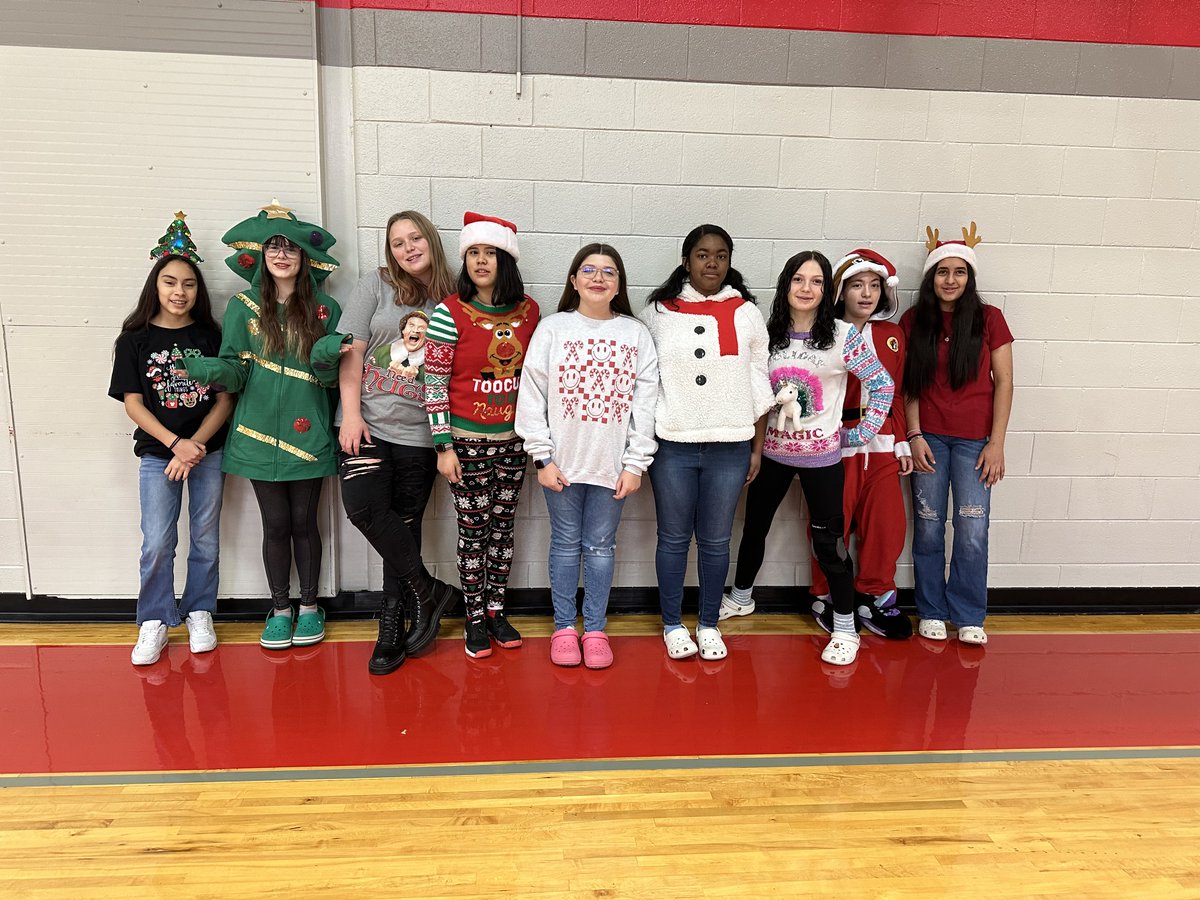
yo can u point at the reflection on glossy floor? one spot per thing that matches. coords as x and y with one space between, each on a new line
1045 762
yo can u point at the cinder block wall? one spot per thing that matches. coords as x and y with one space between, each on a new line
1075 159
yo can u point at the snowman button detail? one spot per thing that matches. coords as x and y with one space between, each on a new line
699 353
701 380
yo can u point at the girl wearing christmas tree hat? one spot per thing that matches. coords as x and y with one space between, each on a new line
280 350
179 435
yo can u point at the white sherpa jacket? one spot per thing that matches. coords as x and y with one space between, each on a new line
712 364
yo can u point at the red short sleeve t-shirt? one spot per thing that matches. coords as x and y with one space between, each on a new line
967 412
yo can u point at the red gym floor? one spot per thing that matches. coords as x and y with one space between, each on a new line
85 709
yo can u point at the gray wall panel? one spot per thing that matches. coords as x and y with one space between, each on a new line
279 29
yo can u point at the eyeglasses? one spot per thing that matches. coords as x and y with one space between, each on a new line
288 251
608 273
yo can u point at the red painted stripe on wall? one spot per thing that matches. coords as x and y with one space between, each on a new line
1158 22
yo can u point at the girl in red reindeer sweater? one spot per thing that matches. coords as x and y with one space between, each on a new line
474 351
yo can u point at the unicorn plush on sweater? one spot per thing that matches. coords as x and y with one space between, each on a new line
789 406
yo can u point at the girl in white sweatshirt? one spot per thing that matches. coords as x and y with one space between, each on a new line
586 413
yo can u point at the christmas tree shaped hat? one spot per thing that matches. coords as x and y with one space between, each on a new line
247 239
177 242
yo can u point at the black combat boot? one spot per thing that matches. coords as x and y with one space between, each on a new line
389 652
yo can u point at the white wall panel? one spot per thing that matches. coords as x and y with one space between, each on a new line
91 169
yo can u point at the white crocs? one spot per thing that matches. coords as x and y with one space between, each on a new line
932 629
711 644
680 644
731 608
841 650
972 634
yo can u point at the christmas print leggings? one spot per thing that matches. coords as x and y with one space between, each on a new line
486 503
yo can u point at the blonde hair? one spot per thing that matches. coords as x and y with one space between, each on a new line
410 291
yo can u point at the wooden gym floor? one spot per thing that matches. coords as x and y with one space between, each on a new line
1062 759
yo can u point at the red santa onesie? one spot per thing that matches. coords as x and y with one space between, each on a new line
873 503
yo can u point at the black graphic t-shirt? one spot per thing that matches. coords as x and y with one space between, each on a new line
142 365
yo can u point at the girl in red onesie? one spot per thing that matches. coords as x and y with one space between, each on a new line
864 290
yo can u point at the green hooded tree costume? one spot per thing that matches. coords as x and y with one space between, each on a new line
281 428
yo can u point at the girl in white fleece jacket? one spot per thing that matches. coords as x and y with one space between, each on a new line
712 350
586 413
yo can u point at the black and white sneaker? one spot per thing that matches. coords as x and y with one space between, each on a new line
478 644
501 629
883 616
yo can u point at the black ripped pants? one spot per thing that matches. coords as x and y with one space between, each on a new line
385 489
823 492
289 517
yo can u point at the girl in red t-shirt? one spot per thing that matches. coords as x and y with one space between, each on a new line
958 379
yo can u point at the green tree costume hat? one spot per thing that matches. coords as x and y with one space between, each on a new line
247 239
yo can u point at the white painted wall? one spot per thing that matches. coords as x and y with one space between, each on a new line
98 148
1087 206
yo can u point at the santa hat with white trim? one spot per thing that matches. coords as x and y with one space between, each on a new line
862 260
480 229
939 250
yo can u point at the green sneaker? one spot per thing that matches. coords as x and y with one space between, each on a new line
277 635
310 629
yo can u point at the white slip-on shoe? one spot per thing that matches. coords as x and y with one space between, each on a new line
842 648
932 629
711 644
680 644
972 634
731 608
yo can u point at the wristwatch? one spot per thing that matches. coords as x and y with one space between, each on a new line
542 463
442 448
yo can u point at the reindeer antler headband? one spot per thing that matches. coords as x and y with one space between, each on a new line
939 250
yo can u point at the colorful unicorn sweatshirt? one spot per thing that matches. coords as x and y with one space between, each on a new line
819 380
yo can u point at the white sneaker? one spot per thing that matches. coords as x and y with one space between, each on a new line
149 647
731 608
201 637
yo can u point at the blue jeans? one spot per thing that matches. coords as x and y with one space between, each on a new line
161 501
696 490
583 520
962 599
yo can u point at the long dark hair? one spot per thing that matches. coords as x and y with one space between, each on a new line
301 327
619 304
966 337
509 289
670 288
779 324
409 291
148 306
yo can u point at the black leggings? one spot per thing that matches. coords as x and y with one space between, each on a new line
823 491
289 516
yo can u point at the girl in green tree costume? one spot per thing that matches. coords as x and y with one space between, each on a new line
279 350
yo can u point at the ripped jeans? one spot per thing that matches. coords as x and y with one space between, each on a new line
962 599
385 490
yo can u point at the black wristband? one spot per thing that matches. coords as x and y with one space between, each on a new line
442 448
178 438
